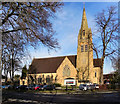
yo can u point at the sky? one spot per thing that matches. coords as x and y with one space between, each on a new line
67 24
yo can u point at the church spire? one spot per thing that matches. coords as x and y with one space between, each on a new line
84 24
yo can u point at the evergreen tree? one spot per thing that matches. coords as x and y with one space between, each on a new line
24 72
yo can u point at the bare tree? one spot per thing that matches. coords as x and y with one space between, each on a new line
116 63
25 23
107 28
115 80
31 20
11 55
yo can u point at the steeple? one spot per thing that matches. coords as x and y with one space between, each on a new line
84 25
84 50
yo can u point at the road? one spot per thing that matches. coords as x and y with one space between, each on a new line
10 97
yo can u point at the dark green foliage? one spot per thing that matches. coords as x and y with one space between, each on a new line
57 84
16 77
24 72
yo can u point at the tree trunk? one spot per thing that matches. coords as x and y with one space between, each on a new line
6 74
101 71
12 69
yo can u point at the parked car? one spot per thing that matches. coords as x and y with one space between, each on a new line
12 87
48 87
36 87
4 86
41 87
83 87
21 87
96 86
30 87
7 86
107 83
90 87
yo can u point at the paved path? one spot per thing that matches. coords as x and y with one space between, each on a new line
38 98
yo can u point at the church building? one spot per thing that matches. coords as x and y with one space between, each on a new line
81 68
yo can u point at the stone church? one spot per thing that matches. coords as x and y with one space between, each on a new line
81 67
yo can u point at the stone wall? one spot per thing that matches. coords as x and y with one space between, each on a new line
73 71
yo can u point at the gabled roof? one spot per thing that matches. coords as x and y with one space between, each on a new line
50 65
46 65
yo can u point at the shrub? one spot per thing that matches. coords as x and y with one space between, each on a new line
57 84
108 86
113 86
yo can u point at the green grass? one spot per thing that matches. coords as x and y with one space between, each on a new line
63 90
70 87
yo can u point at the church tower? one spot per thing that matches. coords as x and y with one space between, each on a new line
84 51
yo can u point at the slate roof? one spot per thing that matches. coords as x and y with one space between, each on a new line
50 65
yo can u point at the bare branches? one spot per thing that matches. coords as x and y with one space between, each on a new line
31 19
110 53
10 11
107 24
15 30
26 23
96 51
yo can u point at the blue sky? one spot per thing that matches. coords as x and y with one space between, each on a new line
67 24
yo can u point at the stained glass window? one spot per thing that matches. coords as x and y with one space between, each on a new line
66 71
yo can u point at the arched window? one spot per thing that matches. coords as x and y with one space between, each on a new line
88 36
56 78
40 79
23 82
83 32
82 48
86 48
51 77
47 79
81 36
95 74
66 71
